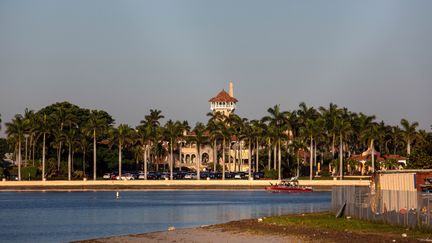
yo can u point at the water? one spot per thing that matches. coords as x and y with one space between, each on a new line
66 216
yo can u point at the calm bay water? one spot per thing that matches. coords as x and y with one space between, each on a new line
66 216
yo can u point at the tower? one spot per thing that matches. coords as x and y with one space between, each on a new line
223 102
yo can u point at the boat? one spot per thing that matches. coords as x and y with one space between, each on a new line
291 185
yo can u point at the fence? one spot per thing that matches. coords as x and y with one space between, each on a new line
406 208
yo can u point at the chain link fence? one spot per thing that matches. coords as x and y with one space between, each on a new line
406 208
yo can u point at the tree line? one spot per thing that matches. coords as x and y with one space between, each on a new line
285 142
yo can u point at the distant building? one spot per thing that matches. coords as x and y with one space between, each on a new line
225 103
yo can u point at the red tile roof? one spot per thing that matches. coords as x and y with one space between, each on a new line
223 96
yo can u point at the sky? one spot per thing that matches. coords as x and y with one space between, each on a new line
127 57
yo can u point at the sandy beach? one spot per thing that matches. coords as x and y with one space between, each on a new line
253 231
202 235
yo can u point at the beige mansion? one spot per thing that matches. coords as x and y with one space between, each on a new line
225 103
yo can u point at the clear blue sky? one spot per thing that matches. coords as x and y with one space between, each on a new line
129 56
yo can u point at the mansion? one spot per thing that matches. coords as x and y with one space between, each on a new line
225 103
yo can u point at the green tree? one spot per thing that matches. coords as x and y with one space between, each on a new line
409 133
16 130
69 137
343 127
200 138
214 125
331 114
172 131
98 122
43 129
144 136
121 136
62 117
278 120
371 135
421 156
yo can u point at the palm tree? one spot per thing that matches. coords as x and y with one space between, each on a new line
249 134
343 127
43 127
96 124
214 127
230 130
409 133
84 145
279 121
200 138
121 136
331 115
69 137
172 131
29 116
296 145
184 127
16 129
144 135
371 135
309 131
153 120
62 117
258 132
226 135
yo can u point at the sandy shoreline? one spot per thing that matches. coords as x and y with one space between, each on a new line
255 231
210 234
109 185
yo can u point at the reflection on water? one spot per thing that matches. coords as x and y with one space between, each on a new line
65 216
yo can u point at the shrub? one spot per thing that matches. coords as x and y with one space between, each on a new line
30 173
270 174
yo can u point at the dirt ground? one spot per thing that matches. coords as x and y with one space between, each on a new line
251 231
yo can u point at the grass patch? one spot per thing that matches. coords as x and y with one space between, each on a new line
327 221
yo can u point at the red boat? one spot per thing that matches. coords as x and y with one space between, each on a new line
291 185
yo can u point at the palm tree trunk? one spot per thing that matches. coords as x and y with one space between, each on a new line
333 145
120 160
298 163
240 165
33 150
171 161
19 159
43 158
373 155
94 154
198 162
340 157
214 155
223 160
145 161
180 156
229 156
25 151
269 156
249 161
84 158
408 146
257 156
279 161
69 163
315 153
311 159
235 159
274 156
